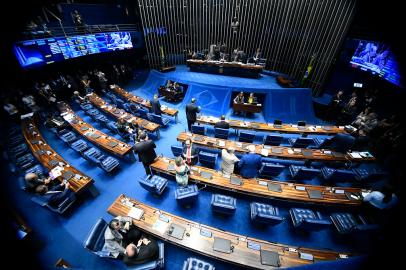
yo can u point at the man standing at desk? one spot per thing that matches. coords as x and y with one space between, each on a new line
191 112
156 106
239 99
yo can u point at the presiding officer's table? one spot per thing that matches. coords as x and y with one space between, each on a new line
247 107
225 68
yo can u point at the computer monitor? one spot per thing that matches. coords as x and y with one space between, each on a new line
277 122
301 123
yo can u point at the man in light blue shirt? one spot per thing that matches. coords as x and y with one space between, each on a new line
384 199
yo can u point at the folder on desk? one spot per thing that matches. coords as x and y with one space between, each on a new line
235 181
327 128
314 194
307 153
274 187
127 117
222 245
53 162
270 258
352 196
176 231
254 125
206 175
112 144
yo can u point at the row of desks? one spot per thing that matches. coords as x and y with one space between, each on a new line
50 159
144 102
200 238
264 188
268 127
119 113
110 144
271 151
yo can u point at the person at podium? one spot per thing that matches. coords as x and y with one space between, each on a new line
252 99
239 99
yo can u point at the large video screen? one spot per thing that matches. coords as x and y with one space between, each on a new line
39 52
377 58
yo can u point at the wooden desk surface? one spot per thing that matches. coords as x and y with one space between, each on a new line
144 102
286 152
44 153
285 128
259 187
194 241
119 113
110 144
247 107
224 64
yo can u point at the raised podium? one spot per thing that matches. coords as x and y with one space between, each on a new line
167 69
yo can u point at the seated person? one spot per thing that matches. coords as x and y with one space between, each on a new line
250 163
124 127
189 153
146 250
55 195
222 123
178 88
169 84
78 98
384 199
252 99
33 180
182 171
55 122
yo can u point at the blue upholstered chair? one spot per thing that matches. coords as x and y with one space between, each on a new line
186 195
15 140
92 112
197 129
25 161
21 183
223 204
349 223
61 208
94 155
143 113
19 150
109 164
337 175
196 264
246 137
86 106
177 150
37 169
79 146
274 140
340 142
265 213
101 119
307 219
301 142
302 172
68 137
155 184
94 242
221 133
159 119
269 170
368 175
207 159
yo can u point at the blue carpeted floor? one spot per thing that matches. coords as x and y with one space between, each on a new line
62 236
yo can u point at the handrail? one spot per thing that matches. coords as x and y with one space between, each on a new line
59 20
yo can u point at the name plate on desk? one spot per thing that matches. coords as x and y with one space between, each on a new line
235 181
337 154
254 125
302 188
206 233
327 128
112 144
253 246
306 256
307 153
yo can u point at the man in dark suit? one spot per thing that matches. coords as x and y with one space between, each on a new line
191 111
189 153
222 123
55 195
145 151
156 106
250 163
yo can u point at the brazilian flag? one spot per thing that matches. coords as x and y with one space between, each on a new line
309 69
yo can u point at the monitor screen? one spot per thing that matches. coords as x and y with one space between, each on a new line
39 52
377 58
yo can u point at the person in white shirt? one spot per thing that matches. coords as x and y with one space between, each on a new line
384 199
228 160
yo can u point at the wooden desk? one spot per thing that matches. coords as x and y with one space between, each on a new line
144 102
259 187
269 151
47 156
246 107
171 95
242 255
110 144
119 113
285 128
225 68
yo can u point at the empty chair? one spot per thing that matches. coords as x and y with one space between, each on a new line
246 137
269 170
197 129
25 161
61 207
86 106
37 169
101 119
223 204
112 126
109 164
68 137
92 112
367 175
273 140
221 133
176 150
79 146
307 219
15 140
94 242
197 264
301 142
19 150
186 195
155 184
94 155
340 142
337 175
207 159
265 213
349 223
143 113
302 172
163 121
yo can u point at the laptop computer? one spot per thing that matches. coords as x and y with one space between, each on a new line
67 175
270 258
176 231
274 187
222 245
314 194
206 175
95 136
277 123
84 128
235 181
112 144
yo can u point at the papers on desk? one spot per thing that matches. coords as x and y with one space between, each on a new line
312 128
327 152
68 117
238 144
222 143
318 126
290 152
136 213
163 107
56 172
264 152
160 226
366 154
28 115
364 193
294 126
355 155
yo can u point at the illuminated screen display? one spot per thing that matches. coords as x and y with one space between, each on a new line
39 52
378 59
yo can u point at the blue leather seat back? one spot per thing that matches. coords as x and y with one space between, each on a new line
271 169
79 146
223 204
307 219
143 113
65 204
37 169
221 133
369 175
246 137
93 155
265 213
95 239
342 142
273 140
109 164
197 129
301 142
186 194
155 184
337 175
158 119
68 137
207 159
176 150
344 222
303 173
196 264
